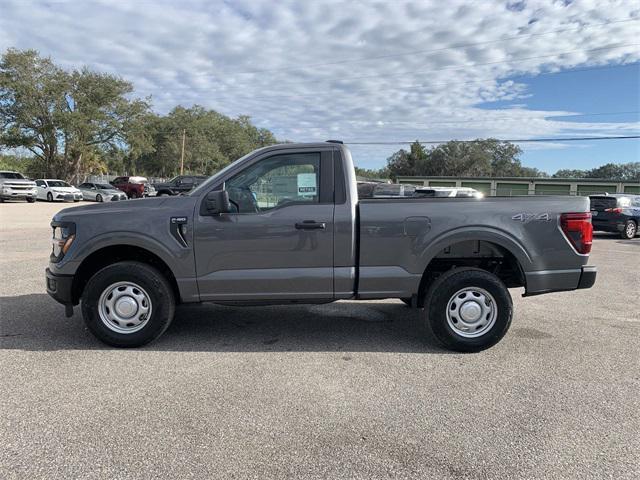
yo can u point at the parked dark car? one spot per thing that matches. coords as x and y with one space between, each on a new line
134 187
618 213
179 184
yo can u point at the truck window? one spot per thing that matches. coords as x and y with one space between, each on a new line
276 181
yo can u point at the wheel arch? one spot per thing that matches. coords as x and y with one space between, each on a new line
111 254
492 251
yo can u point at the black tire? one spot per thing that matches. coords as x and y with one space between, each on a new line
49 197
31 200
630 230
445 288
99 198
154 283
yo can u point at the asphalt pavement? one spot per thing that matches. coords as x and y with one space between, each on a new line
345 390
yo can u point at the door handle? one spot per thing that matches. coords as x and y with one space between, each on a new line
311 225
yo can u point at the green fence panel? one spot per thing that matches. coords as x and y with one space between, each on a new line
592 189
632 189
441 183
552 189
483 187
511 189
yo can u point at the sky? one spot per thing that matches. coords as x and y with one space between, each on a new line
369 71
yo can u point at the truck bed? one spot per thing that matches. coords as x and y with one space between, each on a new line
400 236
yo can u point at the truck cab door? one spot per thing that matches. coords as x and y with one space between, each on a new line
277 244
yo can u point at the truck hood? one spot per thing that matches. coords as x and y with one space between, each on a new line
108 191
18 182
116 213
64 189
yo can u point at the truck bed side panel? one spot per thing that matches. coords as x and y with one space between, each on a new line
399 237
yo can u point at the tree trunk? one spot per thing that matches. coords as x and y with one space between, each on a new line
74 174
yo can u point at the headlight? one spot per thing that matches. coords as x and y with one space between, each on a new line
64 233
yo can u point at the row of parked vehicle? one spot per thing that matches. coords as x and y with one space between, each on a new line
14 186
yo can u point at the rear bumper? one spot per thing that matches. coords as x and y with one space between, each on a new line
59 287
588 277
547 281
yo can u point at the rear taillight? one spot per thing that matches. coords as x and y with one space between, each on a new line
614 210
578 230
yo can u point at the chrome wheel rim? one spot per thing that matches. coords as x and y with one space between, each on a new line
631 229
471 312
124 307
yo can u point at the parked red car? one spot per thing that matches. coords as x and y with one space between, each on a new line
134 187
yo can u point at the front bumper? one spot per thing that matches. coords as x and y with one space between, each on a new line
10 193
59 287
548 281
67 197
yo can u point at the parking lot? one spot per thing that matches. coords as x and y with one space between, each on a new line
345 390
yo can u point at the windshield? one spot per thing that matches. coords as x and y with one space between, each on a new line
104 186
13 175
57 183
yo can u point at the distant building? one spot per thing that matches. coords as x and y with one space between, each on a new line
511 186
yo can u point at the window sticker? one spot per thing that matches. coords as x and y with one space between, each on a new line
307 186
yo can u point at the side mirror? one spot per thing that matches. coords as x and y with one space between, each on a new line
217 202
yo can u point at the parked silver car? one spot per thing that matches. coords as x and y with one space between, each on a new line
13 186
101 192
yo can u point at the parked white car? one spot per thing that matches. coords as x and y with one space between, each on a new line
465 192
53 190
101 192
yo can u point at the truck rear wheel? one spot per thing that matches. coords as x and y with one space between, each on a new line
468 309
128 304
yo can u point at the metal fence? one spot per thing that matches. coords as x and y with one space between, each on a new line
107 178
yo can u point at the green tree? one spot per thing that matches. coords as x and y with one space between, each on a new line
404 163
570 173
64 118
32 102
212 141
617 171
373 174
482 157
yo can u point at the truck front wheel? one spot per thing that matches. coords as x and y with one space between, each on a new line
128 304
468 309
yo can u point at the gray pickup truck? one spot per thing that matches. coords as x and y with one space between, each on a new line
284 224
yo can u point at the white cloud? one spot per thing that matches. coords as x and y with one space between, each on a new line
373 71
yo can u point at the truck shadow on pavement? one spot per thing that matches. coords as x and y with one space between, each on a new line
36 323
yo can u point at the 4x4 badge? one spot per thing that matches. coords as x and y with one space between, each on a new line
528 217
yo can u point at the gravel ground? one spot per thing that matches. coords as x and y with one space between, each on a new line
346 390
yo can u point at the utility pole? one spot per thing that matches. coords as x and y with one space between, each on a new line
184 133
